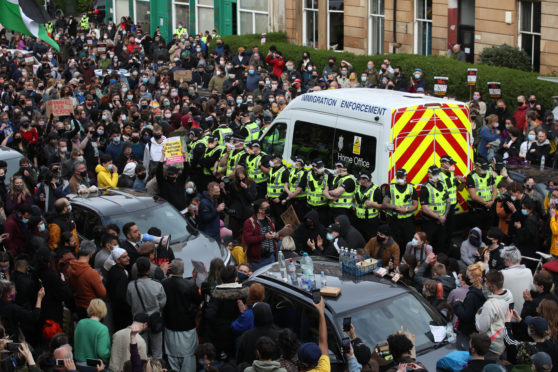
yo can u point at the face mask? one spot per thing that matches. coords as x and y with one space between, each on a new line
525 212
513 198
380 239
476 97
370 67
531 137
157 136
79 158
268 211
475 241
329 236
417 76
330 63
4 269
25 220
63 149
109 167
414 242
130 97
166 103
124 90
274 86
290 68
189 191
452 168
123 117
363 79
145 80
116 140
174 94
42 227
400 181
218 73
532 101
238 101
271 99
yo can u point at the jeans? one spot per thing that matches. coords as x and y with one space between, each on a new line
180 347
154 342
263 262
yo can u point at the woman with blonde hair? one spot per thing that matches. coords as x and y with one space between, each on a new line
91 337
467 309
18 194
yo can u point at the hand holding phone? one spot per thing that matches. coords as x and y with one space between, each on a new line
347 324
316 296
346 342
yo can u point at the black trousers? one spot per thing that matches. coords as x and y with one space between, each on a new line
367 227
436 235
402 231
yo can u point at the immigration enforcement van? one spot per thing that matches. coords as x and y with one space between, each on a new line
374 131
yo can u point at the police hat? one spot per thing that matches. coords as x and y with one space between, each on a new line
238 138
447 159
255 144
196 132
317 164
212 138
364 176
433 170
276 156
340 164
401 173
482 162
299 159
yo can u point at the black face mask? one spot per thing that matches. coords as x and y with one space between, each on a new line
83 174
309 224
380 239
157 136
141 176
268 211
135 139
171 179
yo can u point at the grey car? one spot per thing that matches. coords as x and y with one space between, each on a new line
11 157
378 307
120 207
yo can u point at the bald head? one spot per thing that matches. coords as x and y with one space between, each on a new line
64 352
61 205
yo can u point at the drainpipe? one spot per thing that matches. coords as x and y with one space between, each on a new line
394 26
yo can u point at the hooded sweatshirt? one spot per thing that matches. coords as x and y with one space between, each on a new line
491 319
263 326
351 235
468 250
303 232
265 366
85 282
105 178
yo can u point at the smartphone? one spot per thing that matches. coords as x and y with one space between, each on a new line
346 324
59 362
13 347
316 296
92 362
512 305
346 342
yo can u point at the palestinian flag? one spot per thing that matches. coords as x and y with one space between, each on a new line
27 17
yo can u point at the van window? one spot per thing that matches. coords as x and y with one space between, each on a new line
274 140
313 141
358 151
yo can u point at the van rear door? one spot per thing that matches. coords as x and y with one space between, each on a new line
421 135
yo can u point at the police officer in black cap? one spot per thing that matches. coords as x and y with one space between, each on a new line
276 185
454 184
401 201
316 182
435 207
296 191
198 147
483 192
368 203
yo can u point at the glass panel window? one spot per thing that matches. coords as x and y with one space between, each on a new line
530 31
376 27
310 23
142 15
261 23
181 14
253 16
423 27
274 140
205 18
313 141
356 150
335 24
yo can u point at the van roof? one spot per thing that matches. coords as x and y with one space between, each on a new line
362 103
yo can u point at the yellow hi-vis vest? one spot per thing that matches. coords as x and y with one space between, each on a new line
362 211
436 200
232 162
404 199
253 132
180 31
316 198
484 190
84 22
295 178
275 186
452 191
345 200
194 144
209 153
254 170
222 133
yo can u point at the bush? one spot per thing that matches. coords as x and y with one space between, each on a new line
505 56
82 5
514 82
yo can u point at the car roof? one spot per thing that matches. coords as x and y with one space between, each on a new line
114 202
356 291
8 153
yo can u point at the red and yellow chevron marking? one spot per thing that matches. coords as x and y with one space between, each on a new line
421 135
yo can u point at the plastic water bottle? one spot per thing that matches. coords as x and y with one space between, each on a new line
323 282
282 266
307 265
291 269
542 163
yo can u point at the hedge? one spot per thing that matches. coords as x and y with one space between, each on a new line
514 82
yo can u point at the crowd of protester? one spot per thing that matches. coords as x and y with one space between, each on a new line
68 304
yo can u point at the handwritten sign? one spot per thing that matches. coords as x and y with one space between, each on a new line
59 107
472 76
185 75
495 89
440 85
289 217
173 148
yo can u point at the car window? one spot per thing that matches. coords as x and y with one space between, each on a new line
85 221
358 151
374 323
301 317
313 141
164 217
274 140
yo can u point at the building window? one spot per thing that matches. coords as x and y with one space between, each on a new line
530 31
181 13
253 16
205 20
376 29
141 15
310 23
423 27
335 23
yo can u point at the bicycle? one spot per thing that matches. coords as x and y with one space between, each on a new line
544 257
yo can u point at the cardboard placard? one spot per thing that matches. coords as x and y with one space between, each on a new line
173 148
495 89
59 107
289 217
183 74
89 40
440 85
29 60
101 48
472 76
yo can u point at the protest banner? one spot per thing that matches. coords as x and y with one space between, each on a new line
173 151
495 89
59 107
440 85
472 76
185 75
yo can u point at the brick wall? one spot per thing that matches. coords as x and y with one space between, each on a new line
549 37
404 26
490 24
439 27
355 26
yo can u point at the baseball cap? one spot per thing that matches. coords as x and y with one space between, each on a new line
276 156
541 360
364 176
141 318
309 354
340 164
539 324
299 159
401 173
334 227
433 170
447 159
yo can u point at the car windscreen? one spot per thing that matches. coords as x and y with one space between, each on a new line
164 217
374 323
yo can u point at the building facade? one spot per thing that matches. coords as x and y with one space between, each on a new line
427 26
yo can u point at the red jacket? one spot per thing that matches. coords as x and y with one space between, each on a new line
278 64
520 117
16 242
253 237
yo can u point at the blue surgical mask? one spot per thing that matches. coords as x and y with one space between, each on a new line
525 212
363 78
239 102
414 242
329 236
145 80
69 208
242 277
25 220
531 137
42 227
251 72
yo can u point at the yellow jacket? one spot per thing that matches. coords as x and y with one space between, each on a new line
554 229
105 178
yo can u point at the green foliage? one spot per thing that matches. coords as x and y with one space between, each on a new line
505 56
514 82
82 5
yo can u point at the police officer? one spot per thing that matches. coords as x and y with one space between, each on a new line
278 181
453 184
435 206
499 171
401 200
198 147
211 158
316 183
296 191
222 130
255 172
340 191
251 130
84 22
483 192
236 156
368 202
273 141
181 31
